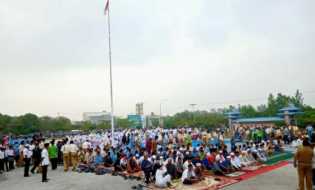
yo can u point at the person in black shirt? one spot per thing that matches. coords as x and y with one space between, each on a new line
171 168
36 157
107 160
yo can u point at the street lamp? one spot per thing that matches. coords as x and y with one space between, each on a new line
160 118
192 111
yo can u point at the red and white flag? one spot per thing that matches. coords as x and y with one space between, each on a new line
106 7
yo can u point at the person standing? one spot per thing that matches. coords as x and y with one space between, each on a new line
65 149
146 167
303 162
36 157
313 161
10 154
53 155
309 131
73 155
27 154
1 159
44 162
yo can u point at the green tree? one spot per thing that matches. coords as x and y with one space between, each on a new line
123 123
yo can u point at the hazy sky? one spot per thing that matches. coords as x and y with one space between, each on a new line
54 55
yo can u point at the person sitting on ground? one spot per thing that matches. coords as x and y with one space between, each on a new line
243 159
171 168
269 148
107 160
132 165
117 165
209 162
198 171
162 178
261 153
81 155
98 159
189 176
235 161
223 163
186 163
179 167
88 157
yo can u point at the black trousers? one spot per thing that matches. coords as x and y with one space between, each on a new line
11 162
6 163
1 164
44 173
27 162
35 164
54 163
147 175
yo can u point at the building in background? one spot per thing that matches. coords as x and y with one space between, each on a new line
136 120
97 118
152 120
139 108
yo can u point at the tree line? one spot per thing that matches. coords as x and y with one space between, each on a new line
31 123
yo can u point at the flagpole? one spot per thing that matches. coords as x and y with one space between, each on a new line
110 73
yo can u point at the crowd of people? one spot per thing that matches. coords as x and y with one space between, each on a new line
160 154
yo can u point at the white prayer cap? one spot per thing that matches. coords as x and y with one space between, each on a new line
198 164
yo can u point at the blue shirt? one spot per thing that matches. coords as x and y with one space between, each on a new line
98 159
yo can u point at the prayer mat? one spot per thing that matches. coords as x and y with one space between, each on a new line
209 183
235 174
224 182
262 170
207 173
278 158
252 168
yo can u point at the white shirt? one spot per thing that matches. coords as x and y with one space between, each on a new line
186 175
1 154
65 149
86 145
236 162
45 158
185 165
9 152
27 153
73 148
161 181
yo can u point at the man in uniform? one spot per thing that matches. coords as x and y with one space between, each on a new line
65 149
303 162
73 155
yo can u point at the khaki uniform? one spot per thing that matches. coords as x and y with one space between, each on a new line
303 158
66 156
74 155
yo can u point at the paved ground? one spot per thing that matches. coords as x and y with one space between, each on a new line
281 179
284 178
60 180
